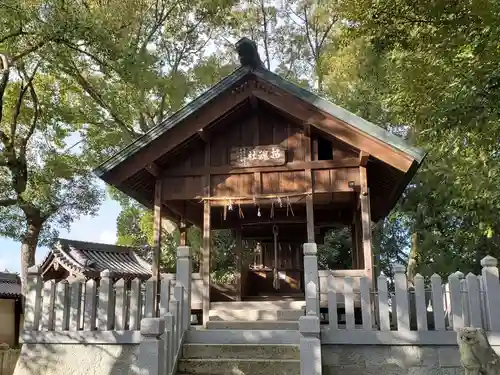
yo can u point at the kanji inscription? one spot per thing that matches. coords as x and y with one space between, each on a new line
257 156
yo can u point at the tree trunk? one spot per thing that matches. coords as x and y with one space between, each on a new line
28 249
412 259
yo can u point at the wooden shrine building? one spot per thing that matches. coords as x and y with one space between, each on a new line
275 163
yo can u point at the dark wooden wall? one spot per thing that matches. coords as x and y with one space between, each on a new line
184 176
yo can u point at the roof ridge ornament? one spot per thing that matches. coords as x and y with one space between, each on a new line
248 53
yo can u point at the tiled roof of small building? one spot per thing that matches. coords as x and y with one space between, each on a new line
10 285
90 259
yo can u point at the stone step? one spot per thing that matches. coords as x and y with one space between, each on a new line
258 305
285 325
239 366
253 314
201 335
240 351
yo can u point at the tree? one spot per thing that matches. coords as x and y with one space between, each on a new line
430 73
44 185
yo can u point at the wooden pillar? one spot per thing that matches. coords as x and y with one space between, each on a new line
310 218
354 246
182 230
207 240
366 223
359 240
239 259
157 229
309 186
205 261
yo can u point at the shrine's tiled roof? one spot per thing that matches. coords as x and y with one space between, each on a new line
10 285
90 259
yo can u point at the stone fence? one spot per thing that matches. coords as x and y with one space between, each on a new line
77 312
8 359
421 314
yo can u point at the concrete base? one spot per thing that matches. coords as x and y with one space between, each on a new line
239 359
77 359
238 366
258 305
262 337
255 325
255 315
390 360
240 351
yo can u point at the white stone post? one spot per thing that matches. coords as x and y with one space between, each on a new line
311 275
150 298
151 360
33 306
491 285
61 307
310 345
106 304
457 316
75 303
89 311
135 304
184 277
120 305
474 301
402 302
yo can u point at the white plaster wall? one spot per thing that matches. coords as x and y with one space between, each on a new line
7 319
77 359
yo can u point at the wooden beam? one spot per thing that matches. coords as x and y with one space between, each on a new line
257 183
157 229
363 158
153 169
337 128
366 223
315 149
289 167
204 135
254 103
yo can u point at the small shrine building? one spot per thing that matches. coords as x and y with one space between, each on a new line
273 162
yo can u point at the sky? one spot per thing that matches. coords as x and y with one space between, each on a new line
100 228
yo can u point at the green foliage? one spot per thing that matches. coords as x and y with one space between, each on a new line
430 71
135 228
336 251
44 183
103 73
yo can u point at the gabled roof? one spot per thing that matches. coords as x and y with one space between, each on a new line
89 259
349 118
10 285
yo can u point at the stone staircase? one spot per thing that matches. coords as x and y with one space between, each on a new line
239 359
255 315
245 338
